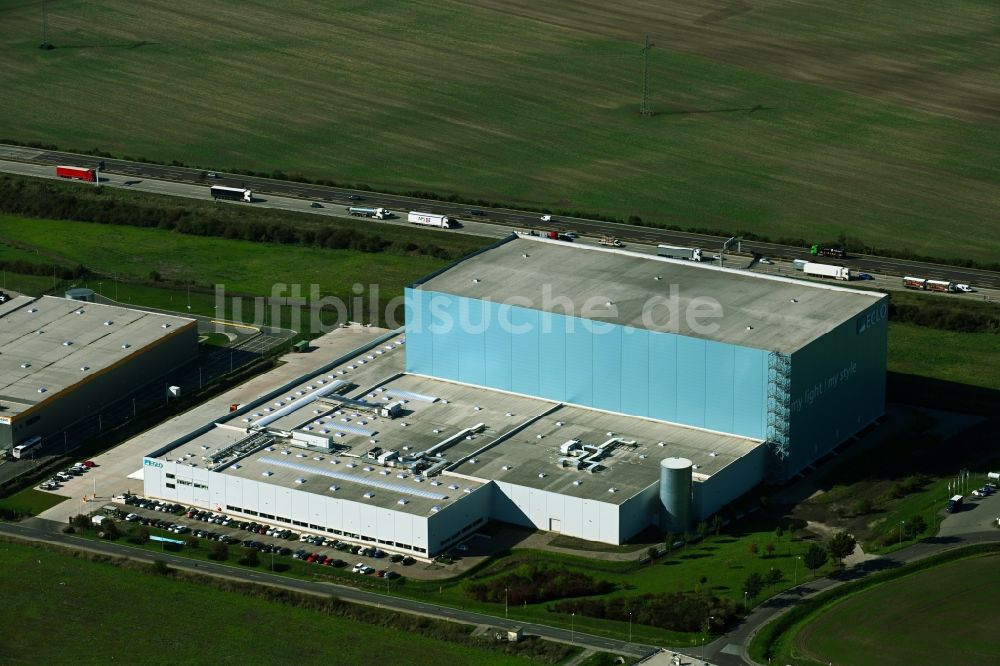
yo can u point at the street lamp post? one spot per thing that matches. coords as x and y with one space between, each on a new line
797 558
505 601
572 628
708 627
630 626
901 532
745 593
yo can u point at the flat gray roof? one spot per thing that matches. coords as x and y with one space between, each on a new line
480 434
49 345
655 293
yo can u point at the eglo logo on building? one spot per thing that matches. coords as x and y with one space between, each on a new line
151 463
877 314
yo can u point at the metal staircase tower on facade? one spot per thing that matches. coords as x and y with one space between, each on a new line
779 376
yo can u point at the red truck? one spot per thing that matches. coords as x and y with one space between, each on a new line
79 173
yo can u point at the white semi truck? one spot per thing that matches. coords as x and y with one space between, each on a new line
429 219
827 270
377 213
676 252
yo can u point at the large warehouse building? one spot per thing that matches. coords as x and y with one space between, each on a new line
62 360
587 391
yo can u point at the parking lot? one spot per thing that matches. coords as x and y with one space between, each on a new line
190 522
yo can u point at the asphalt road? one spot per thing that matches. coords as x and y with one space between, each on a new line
501 219
47 531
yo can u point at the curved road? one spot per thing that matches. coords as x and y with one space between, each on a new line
503 217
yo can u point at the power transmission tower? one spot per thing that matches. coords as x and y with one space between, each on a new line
645 109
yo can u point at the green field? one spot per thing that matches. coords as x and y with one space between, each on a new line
963 358
944 615
794 119
86 612
127 255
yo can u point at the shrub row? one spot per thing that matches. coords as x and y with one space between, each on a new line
538 583
31 198
674 611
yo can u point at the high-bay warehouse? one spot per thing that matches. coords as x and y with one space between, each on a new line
593 392
62 360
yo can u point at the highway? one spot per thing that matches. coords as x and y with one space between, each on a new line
496 222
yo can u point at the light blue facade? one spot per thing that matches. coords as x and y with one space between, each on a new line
664 376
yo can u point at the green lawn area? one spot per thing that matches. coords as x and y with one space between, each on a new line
198 273
240 266
947 614
86 612
30 501
963 358
796 119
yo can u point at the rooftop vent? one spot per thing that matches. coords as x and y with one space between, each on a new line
467 490
67 343
661 443
657 277
300 480
749 327
80 311
505 467
713 454
435 509
559 423
108 323
84 368
42 390
164 325
452 487
368 495
525 255
267 473
794 300
126 345
510 414
476 280
577 482
541 475
25 365
612 490
402 502
334 488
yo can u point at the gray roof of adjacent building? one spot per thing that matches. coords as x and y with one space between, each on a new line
50 345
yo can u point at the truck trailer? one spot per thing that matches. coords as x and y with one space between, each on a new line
925 284
79 173
429 219
827 270
676 252
231 193
377 213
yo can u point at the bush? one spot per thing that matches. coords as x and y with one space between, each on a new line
537 584
674 611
